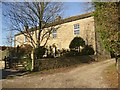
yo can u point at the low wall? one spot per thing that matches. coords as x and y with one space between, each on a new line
102 57
53 63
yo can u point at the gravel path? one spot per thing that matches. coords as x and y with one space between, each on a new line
86 76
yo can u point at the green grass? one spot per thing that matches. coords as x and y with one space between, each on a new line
111 76
111 68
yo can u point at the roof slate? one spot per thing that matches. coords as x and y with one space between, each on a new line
66 20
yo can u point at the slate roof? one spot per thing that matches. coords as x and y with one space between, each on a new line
66 20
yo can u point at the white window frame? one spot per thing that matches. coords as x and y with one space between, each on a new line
25 39
76 28
54 33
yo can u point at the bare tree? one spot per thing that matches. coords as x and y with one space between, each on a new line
10 39
37 16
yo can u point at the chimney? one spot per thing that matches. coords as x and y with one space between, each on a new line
58 18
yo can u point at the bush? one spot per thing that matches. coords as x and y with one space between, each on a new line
76 43
12 52
87 50
24 51
40 51
21 52
72 53
27 63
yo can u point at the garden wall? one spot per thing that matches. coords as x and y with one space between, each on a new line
53 63
103 57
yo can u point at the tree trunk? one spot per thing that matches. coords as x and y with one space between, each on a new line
34 61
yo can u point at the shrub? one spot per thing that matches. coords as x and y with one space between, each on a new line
21 52
25 50
76 43
40 51
72 53
87 50
12 52
50 52
63 51
27 64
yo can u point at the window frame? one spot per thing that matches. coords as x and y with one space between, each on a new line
25 39
54 33
76 28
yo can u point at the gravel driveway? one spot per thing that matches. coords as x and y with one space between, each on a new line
86 76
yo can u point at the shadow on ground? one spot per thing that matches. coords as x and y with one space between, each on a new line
4 73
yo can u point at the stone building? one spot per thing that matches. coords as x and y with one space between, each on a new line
81 25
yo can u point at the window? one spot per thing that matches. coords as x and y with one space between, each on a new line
76 29
31 33
25 38
54 33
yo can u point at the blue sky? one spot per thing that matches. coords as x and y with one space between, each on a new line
75 8
0 23
70 9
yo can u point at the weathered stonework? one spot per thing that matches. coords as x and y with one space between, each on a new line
65 32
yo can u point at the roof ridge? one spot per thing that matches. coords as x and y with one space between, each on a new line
65 20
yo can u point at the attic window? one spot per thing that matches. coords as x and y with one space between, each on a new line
76 29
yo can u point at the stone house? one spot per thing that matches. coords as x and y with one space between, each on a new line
81 25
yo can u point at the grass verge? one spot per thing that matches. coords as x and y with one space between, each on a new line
111 76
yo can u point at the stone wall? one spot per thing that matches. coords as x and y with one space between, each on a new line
53 63
102 57
65 34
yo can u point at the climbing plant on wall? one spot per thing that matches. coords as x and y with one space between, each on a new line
107 22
